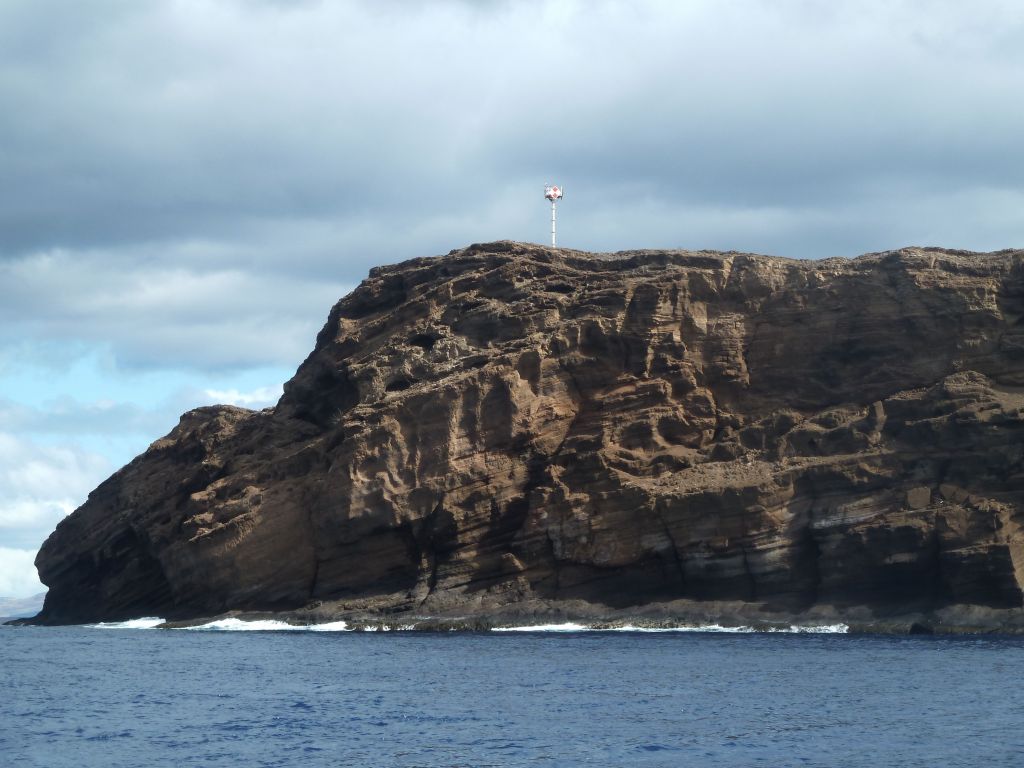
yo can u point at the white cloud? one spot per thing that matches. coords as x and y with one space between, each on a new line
18 576
40 485
34 514
257 398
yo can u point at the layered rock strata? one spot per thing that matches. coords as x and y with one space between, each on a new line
514 425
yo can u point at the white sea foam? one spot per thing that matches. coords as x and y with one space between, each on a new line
691 628
825 629
237 625
570 627
567 627
819 629
331 626
228 625
272 625
267 625
147 622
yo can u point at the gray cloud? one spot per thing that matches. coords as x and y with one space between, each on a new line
196 182
189 185
164 312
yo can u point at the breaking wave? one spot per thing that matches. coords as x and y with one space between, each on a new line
273 625
816 629
568 627
147 622
266 625
227 625
331 626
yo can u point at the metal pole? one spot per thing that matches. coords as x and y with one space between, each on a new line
552 223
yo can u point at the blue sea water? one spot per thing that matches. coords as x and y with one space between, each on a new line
86 697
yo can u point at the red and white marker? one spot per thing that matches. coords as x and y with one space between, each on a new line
554 194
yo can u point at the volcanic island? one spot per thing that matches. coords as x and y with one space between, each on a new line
513 434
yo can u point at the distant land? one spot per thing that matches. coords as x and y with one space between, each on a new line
514 433
21 607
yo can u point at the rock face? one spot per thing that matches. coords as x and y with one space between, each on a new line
512 423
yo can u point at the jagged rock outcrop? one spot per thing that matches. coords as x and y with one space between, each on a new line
513 424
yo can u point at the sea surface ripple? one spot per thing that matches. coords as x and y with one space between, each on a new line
121 698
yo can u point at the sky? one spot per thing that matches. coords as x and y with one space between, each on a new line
187 186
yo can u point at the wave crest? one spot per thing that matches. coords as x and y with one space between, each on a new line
796 629
146 622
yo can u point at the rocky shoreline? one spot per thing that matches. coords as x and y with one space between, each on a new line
676 616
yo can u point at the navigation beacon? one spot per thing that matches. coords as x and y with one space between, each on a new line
554 194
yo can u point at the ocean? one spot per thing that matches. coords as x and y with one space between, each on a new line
120 697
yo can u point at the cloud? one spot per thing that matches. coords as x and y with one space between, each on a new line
218 123
163 312
68 416
194 184
40 484
18 576
189 186
258 398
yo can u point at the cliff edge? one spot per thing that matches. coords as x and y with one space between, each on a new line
513 427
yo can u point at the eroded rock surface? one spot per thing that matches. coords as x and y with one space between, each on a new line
512 423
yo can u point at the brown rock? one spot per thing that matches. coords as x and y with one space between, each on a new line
919 498
512 423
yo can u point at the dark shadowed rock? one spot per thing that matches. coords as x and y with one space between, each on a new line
512 425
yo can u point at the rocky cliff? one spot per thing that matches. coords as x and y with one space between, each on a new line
514 426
